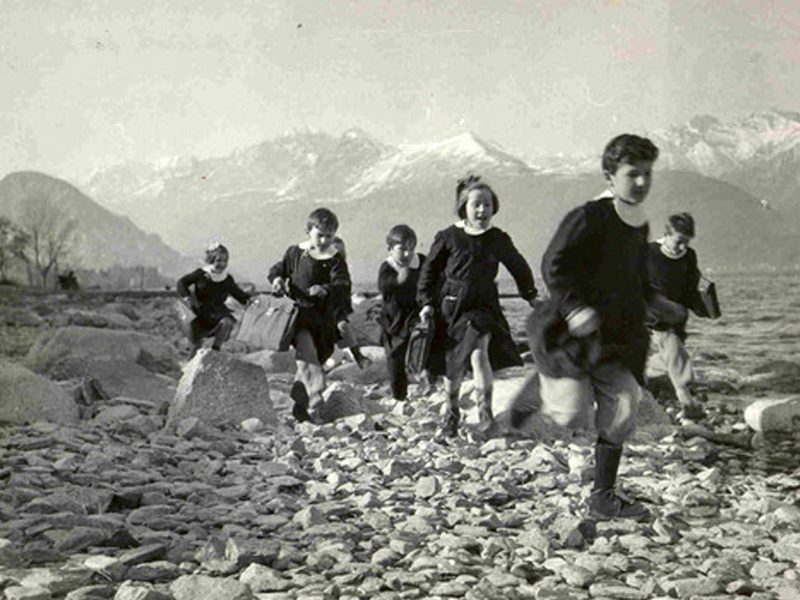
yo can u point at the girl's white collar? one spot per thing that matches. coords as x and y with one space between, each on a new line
213 275
469 230
306 247
414 264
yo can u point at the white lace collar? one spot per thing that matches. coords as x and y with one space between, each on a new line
213 275
471 230
668 253
414 264
306 247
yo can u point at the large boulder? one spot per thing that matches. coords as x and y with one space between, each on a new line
365 320
222 390
777 415
26 397
64 352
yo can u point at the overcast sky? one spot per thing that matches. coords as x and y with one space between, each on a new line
90 83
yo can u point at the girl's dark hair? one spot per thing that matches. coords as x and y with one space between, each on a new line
399 234
682 223
627 148
323 219
214 250
464 186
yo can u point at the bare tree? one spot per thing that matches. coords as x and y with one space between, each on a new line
12 243
50 233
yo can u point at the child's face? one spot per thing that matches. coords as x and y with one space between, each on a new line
320 239
676 242
403 252
631 182
479 208
219 262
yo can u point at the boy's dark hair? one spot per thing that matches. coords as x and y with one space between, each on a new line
399 234
627 148
214 250
682 223
323 219
465 186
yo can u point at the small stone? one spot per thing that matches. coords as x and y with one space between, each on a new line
427 487
253 425
308 517
202 587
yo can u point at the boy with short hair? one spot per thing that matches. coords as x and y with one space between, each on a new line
594 268
672 270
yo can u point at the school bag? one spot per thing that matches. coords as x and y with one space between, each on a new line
708 297
420 339
268 322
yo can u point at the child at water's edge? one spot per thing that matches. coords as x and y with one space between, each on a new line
205 291
457 286
397 282
595 270
315 276
673 271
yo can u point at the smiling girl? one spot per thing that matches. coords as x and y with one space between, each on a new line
457 285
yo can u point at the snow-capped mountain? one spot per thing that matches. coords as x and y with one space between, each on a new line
256 199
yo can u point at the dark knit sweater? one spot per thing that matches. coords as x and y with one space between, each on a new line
596 260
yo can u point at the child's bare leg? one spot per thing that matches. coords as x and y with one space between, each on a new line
483 381
309 369
222 332
349 341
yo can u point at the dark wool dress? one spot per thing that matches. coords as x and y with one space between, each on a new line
677 279
458 280
597 260
210 296
316 315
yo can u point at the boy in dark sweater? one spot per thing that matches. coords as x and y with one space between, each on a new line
594 268
673 272
397 282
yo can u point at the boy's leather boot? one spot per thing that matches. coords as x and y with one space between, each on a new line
299 394
449 427
604 503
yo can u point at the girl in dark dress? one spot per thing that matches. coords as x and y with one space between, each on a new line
315 276
205 291
397 282
457 286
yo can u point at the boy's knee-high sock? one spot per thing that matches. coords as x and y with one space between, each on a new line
299 394
607 457
485 414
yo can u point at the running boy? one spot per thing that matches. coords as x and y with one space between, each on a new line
673 271
594 268
397 282
315 276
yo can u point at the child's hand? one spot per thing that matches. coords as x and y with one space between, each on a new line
426 313
317 291
278 286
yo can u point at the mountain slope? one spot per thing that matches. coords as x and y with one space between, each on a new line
102 238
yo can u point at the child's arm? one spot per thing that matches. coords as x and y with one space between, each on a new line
431 271
518 267
387 280
184 282
338 289
237 292
281 272
692 287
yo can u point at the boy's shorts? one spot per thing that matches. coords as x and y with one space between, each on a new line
608 398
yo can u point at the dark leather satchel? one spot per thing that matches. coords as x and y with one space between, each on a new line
268 322
419 347
708 297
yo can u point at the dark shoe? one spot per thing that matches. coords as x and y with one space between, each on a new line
299 394
693 412
449 428
605 505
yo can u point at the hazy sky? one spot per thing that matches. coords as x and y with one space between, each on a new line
90 83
